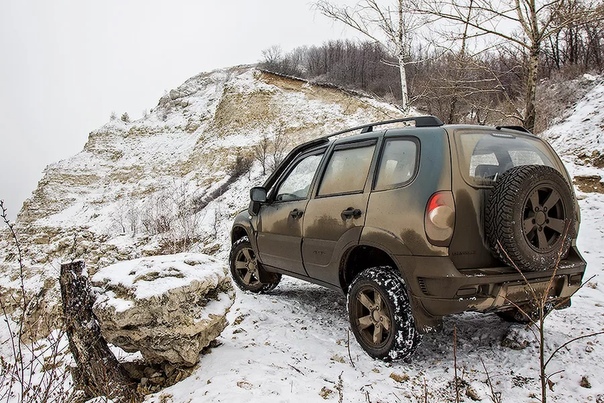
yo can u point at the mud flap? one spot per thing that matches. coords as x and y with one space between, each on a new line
267 276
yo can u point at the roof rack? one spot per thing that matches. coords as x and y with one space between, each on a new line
420 121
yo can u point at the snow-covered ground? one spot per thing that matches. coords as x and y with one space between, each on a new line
294 344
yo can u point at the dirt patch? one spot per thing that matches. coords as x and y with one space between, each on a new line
350 101
287 83
596 158
589 183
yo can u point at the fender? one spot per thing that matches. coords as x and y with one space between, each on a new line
245 225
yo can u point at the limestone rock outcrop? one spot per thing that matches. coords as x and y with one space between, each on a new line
167 307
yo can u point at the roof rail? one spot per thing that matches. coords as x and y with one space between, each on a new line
420 121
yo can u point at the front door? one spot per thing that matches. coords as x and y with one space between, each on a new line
280 220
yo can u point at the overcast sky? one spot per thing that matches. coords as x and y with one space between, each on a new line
65 65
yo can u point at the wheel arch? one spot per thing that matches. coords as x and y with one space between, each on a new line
237 233
243 225
361 257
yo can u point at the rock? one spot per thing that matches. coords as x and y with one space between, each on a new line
473 394
517 338
476 391
167 307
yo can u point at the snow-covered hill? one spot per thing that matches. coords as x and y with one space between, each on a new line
293 344
580 135
107 203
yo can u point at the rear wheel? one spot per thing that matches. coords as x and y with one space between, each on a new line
530 217
380 314
245 268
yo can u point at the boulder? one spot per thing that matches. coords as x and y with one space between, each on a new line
518 337
167 307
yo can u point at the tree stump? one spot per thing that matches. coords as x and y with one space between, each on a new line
98 373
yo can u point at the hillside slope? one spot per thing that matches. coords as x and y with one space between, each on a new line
580 135
107 202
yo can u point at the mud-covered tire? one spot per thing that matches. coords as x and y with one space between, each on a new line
530 217
380 314
244 267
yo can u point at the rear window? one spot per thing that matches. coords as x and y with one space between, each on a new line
485 156
398 163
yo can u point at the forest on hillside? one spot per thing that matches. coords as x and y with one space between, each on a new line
456 77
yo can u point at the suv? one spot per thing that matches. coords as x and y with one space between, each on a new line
415 223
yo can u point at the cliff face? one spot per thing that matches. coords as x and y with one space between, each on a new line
106 203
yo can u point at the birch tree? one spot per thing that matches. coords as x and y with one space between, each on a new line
392 26
526 24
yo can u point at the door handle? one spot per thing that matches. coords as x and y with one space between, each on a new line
295 213
351 212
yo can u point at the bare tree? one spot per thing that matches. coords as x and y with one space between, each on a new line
242 164
261 152
392 26
272 55
133 216
274 60
530 23
279 148
577 46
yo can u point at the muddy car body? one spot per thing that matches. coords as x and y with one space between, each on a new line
414 223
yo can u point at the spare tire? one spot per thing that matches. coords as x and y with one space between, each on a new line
530 217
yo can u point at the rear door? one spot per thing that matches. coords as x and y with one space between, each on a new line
335 217
482 156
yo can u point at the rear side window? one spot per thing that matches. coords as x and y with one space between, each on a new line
485 156
347 170
397 165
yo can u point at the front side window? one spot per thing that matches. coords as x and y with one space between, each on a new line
398 163
297 183
347 170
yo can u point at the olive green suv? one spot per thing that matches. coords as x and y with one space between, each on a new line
414 223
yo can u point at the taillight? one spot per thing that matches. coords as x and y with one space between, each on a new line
440 218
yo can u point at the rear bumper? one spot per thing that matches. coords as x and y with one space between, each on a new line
437 288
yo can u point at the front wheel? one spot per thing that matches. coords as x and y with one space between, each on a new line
245 268
380 314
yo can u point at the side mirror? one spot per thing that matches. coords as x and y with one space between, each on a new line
258 194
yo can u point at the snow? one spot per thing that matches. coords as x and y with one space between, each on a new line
295 343
583 131
154 276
